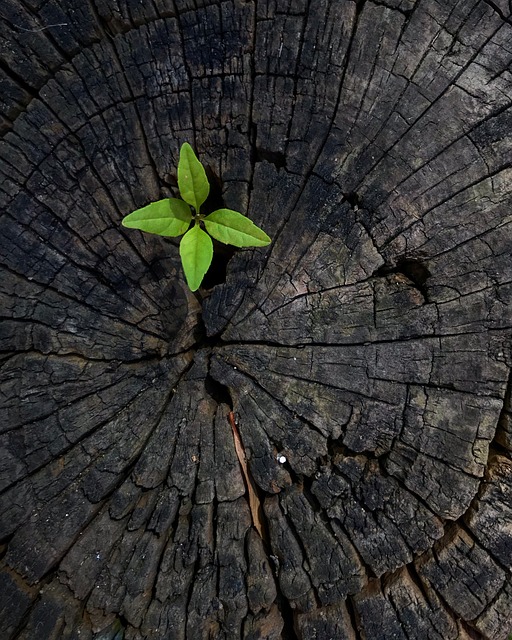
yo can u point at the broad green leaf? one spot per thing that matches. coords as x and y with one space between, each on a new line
233 228
168 217
192 181
196 251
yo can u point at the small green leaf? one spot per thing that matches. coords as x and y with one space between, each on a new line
196 251
233 228
192 181
168 217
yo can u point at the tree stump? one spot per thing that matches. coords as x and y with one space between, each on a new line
363 358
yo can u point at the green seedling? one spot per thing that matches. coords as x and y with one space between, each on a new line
173 217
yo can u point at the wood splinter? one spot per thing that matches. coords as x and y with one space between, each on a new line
254 501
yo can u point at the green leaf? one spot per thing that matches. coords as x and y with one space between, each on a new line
192 181
168 217
196 251
233 228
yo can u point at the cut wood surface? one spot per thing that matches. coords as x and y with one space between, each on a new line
365 353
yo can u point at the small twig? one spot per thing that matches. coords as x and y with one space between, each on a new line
254 501
59 24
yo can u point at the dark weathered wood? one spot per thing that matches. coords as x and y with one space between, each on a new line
366 353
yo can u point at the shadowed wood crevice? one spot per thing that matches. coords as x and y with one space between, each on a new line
363 358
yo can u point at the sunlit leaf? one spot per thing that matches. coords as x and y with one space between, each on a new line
192 181
196 251
168 217
233 228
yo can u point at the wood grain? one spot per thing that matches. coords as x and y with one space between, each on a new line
366 351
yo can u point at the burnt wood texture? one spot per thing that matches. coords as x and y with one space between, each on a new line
365 355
